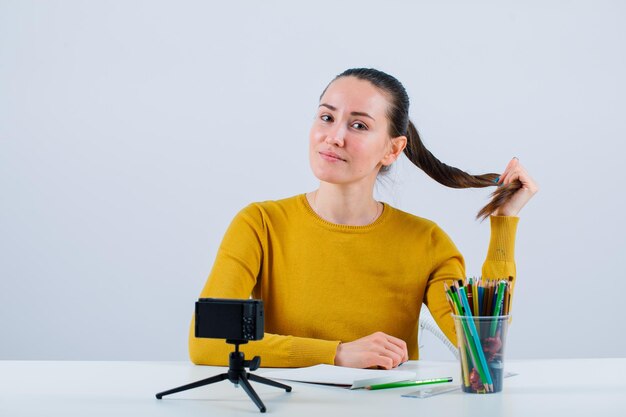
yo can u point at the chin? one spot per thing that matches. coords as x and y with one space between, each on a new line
330 177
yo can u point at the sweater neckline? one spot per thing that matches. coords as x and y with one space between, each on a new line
344 227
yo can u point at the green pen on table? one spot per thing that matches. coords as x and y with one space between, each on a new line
402 384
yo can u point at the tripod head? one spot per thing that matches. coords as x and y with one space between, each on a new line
237 362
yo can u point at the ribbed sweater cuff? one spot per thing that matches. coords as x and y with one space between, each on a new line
308 352
502 243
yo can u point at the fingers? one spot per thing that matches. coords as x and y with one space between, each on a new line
515 171
388 351
398 346
391 352
380 361
392 347
505 178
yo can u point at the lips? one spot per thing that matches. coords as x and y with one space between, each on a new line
331 156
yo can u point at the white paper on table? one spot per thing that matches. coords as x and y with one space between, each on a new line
340 375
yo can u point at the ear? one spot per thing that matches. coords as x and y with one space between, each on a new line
394 150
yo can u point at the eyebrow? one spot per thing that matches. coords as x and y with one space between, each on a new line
354 113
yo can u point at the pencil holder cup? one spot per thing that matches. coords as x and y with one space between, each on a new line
481 341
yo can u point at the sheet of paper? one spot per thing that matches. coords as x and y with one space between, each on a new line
339 375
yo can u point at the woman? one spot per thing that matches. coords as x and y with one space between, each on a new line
343 276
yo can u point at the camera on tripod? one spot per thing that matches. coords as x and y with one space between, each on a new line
231 319
237 321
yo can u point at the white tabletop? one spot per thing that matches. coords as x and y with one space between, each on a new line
570 387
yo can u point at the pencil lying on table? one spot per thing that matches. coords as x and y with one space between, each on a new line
402 384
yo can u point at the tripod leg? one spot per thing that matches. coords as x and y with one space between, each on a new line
207 381
266 381
251 393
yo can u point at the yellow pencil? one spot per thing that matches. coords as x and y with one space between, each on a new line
475 298
464 360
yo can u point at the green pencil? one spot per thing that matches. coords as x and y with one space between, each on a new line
497 310
402 384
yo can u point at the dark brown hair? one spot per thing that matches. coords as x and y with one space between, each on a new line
400 125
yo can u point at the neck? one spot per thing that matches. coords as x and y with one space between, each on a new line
348 206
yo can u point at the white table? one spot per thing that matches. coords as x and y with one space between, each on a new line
568 387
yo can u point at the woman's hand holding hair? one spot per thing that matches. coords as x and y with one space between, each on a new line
515 171
376 350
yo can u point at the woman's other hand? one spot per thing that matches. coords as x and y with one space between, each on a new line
515 171
376 350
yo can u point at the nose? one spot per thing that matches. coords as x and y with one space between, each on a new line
336 136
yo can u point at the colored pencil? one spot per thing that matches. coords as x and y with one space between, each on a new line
402 384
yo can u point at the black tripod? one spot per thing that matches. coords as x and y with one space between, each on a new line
236 374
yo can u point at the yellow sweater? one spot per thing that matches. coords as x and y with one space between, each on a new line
323 283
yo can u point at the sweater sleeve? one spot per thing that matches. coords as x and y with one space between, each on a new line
500 261
235 273
448 265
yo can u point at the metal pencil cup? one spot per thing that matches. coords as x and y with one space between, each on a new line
481 341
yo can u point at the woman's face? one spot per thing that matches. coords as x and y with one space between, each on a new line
349 138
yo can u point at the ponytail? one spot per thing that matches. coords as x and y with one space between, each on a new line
453 177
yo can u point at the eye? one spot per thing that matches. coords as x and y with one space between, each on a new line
359 126
326 118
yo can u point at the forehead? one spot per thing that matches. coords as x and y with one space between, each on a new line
353 94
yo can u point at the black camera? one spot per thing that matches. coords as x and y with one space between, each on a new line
232 319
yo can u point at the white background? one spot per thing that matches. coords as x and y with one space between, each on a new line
131 132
